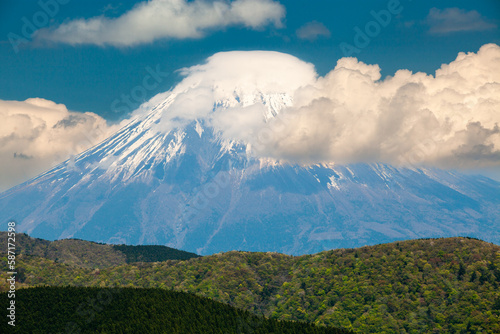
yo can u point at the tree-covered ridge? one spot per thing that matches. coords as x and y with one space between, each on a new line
131 310
89 254
152 253
420 286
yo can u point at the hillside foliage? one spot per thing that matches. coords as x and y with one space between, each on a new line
421 286
129 310
152 253
92 255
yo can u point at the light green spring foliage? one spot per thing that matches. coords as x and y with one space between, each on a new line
422 286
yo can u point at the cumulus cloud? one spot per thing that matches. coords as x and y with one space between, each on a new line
166 19
449 119
36 134
452 20
312 31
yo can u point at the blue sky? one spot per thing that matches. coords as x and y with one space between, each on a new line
90 77
91 56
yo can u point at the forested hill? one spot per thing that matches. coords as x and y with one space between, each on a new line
128 310
91 254
447 285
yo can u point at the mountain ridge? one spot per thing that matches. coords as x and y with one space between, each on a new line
92 255
184 184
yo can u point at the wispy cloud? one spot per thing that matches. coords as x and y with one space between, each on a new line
166 19
452 20
312 31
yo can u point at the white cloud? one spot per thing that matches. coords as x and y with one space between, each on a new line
229 74
312 31
166 19
36 134
452 20
449 119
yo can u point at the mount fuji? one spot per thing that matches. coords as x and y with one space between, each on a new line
186 185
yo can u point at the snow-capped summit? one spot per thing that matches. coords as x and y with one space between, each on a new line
192 188
184 173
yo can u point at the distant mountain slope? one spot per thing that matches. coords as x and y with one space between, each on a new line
191 188
420 286
90 254
122 310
